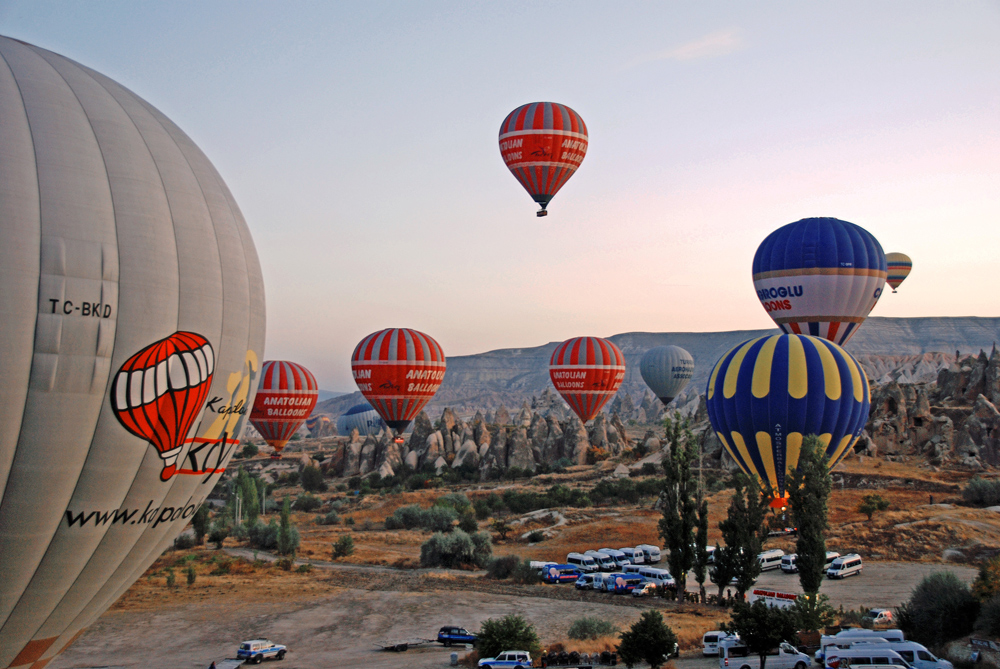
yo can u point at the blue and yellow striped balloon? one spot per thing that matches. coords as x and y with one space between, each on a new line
766 394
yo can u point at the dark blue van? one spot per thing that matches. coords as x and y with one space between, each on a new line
561 573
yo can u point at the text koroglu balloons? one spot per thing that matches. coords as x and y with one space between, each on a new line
898 266
542 144
131 325
360 417
820 277
765 395
286 396
666 370
587 372
398 370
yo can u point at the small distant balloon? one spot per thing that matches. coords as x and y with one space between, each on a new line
398 370
360 417
898 266
287 395
666 370
587 372
820 277
543 144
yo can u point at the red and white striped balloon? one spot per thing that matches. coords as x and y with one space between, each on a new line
398 370
285 398
587 372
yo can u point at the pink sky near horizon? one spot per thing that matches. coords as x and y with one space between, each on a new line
360 142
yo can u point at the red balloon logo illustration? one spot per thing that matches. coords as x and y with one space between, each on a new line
159 392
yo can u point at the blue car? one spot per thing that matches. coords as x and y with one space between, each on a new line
256 651
450 635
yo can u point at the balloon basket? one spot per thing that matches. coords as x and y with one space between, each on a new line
541 213
276 456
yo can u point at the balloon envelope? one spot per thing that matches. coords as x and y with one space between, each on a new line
286 396
819 276
542 144
398 370
587 372
132 325
898 266
361 417
765 395
666 370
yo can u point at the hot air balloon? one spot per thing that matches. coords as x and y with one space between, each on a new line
542 144
317 425
898 266
133 322
361 417
819 276
587 372
286 396
766 394
398 370
666 370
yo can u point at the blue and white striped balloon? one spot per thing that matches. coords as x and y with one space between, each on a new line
361 417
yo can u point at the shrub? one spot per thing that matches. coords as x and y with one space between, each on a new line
455 500
409 517
184 542
354 483
502 567
940 609
218 534
648 640
312 479
288 534
343 547
249 450
535 536
456 549
440 518
648 469
199 523
288 478
304 568
591 628
982 492
349 520
171 578
331 518
264 537
511 631
988 621
523 573
393 523
987 583
871 503
467 523
191 574
307 502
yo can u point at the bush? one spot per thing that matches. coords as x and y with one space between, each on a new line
288 478
171 578
871 503
312 479
307 502
440 518
218 533
502 567
304 568
264 537
249 450
648 640
191 574
467 523
331 518
940 609
435 519
535 536
648 469
523 573
343 547
455 500
987 583
184 542
456 549
982 492
591 628
511 631
349 520
200 523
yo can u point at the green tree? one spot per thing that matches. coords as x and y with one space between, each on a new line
871 503
987 583
191 574
220 530
507 633
744 532
249 495
649 640
312 479
501 527
249 450
343 547
200 523
813 613
809 489
761 627
288 536
701 544
940 609
679 509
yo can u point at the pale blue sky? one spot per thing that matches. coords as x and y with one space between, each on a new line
360 141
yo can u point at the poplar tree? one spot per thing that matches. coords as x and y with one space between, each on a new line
809 489
679 510
744 532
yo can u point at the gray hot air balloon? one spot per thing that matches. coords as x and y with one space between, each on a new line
131 330
361 417
666 370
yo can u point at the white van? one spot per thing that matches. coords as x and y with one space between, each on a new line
734 655
845 638
842 658
584 563
585 582
660 577
650 553
540 566
710 642
604 561
620 559
632 569
844 566
915 654
789 563
770 559
634 555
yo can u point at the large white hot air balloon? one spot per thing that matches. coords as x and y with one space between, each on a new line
666 370
131 326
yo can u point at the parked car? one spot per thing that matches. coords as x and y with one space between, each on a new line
256 651
878 618
604 561
585 582
450 635
561 573
845 638
789 563
855 655
770 559
582 562
915 654
647 589
620 559
634 555
516 659
734 655
660 577
650 553
710 642
844 566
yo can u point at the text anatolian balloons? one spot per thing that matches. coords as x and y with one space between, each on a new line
820 277
285 398
666 370
587 372
360 417
398 370
131 325
767 394
898 266
542 144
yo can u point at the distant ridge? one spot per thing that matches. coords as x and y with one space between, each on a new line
511 376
